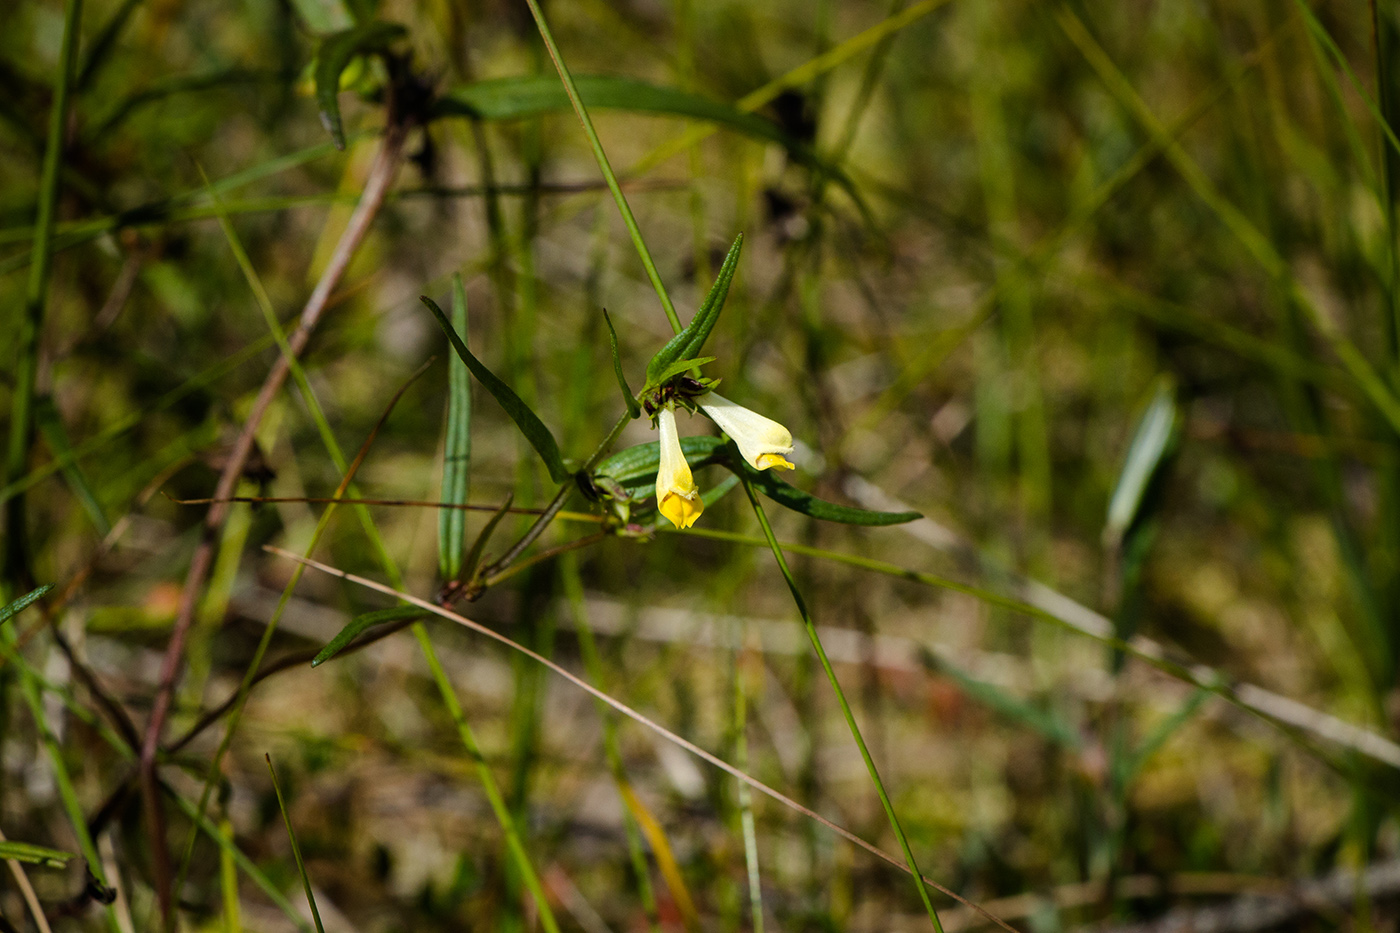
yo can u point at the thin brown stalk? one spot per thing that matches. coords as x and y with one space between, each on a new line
381 177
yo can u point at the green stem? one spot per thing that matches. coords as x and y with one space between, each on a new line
841 699
36 300
632 229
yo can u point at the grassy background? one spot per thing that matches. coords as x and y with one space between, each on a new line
1064 213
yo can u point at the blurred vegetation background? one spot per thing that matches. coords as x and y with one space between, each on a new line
1107 291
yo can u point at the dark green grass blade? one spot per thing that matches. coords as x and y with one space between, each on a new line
517 97
334 55
524 417
296 849
17 606
457 449
34 855
689 342
362 623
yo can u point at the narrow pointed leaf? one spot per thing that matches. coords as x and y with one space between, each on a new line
479 545
296 848
457 449
529 423
34 855
790 497
633 409
689 342
362 623
332 58
14 608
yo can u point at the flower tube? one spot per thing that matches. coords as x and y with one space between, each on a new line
763 442
677 497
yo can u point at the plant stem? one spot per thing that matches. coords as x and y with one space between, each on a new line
626 211
841 699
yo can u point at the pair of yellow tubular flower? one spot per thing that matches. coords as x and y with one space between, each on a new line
763 442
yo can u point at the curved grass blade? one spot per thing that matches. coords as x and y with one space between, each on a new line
633 409
514 98
529 423
34 855
479 545
359 624
334 55
296 849
457 450
1152 445
18 605
689 342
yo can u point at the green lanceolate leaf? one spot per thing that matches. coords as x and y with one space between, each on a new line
335 53
34 855
689 342
529 423
1152 445
363 622
633 409
518 97
457 449
634 470
14 608
790 497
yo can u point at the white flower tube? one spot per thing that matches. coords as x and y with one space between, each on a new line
677 497
763 442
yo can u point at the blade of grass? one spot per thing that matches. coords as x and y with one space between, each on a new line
228 879
296 849
457 450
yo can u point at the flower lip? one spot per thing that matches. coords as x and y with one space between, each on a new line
677 497
764 442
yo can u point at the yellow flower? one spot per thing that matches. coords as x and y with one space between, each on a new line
677 497
763 442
